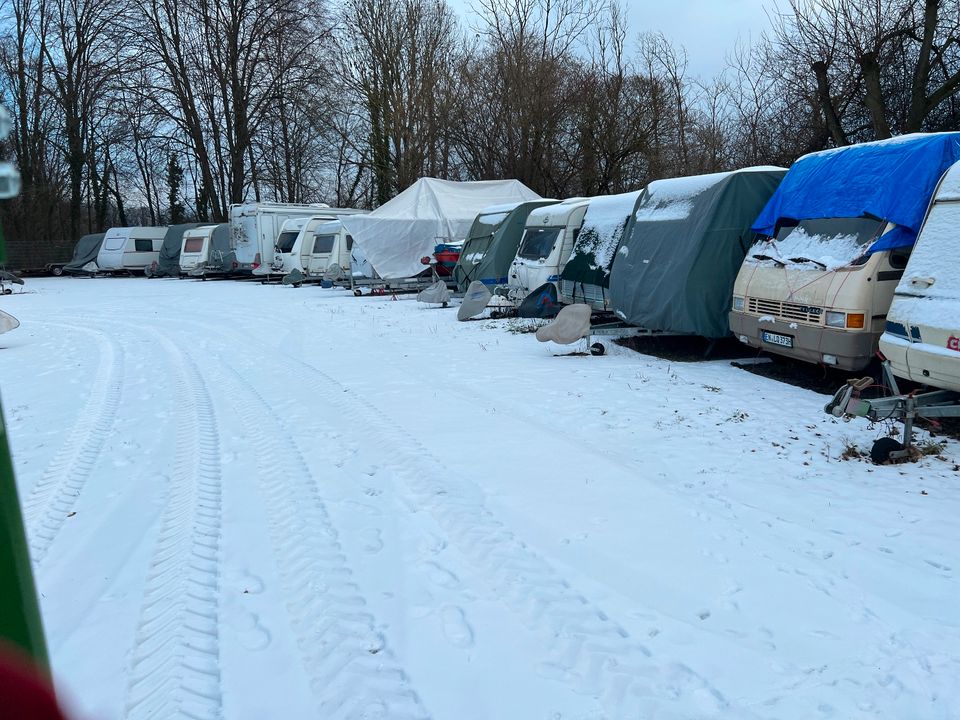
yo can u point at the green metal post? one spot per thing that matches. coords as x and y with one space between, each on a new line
20 623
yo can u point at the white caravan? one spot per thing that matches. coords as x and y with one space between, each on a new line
285 257
130 248
547 243
922 334
254 228
326 251
206 250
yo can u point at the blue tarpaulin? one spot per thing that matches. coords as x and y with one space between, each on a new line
892 180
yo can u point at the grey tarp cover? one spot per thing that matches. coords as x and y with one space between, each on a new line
168 264
675 271
490 248
220 256
608 220
84 251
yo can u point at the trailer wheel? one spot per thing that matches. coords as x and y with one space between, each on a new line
880 452
357 293
597 349
8 291
57 271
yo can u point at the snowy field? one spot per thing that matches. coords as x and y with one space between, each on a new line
250 501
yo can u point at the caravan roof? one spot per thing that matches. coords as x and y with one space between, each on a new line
676 269
890 179
397 234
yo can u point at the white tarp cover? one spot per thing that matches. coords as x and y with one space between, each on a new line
397 234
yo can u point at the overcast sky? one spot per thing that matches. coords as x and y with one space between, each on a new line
707 29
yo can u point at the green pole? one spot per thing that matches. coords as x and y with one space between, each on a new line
20 623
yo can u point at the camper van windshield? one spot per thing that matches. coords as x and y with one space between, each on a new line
193 245
286 240
818 244
323 244
538 242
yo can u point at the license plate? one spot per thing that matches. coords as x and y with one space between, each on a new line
776 339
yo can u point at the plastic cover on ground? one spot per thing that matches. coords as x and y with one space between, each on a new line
401 231
890 179
674 271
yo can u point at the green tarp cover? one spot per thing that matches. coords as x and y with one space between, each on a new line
84 251
607 221
169 261
492 243
675 271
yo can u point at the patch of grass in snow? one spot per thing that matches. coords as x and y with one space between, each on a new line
851 451
931 447
524 326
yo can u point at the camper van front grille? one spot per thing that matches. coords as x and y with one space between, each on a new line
785 311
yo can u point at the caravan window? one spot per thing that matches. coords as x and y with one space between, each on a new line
193 245
143 244
349 243
488 224
538 243
819 243
323 244
115 243
286 240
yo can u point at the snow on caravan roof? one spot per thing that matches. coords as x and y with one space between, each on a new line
889 179
397 234
604 226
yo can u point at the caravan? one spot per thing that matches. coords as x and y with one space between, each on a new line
206 251
254 228
922 335
586 276
326 251
84 260
835 240
130 248
548 240
168 262
492 243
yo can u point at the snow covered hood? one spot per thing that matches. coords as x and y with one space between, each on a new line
891 179
397 234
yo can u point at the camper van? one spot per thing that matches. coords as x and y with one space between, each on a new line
548 240
130 248
922 333
206 251
254 228
835 239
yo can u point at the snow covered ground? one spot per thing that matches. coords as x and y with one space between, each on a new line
253 501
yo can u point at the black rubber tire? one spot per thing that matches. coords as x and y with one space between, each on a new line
598 349
8 291
57 271
357 293
880 452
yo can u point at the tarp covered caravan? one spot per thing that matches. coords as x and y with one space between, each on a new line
168 264
492 243
84 253
675 271
586 276
395 236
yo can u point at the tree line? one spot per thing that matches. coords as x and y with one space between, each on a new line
170 110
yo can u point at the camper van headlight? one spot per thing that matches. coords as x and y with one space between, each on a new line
835 319
738 303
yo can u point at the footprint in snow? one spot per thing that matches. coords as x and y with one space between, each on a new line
455 626
371 540
439 575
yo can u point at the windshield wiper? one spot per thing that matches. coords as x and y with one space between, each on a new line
780 263
808 260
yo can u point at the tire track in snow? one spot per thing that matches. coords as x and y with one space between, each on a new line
587 649
352 672
174 670
54 495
